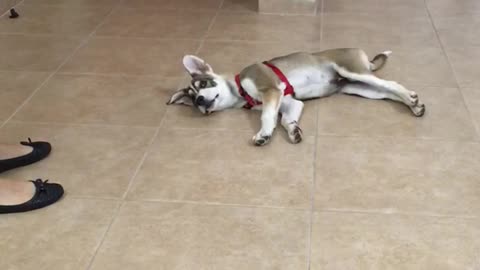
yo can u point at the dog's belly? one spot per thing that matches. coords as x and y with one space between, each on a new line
313 82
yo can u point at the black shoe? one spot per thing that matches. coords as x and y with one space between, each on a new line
39 152
45 195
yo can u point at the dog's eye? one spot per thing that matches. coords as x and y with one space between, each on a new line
203 84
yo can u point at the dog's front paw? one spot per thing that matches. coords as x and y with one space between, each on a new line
412 99
261 139
418 110
296 134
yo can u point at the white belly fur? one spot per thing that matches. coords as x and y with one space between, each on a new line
312 82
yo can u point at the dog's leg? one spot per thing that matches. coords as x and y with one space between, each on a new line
271 104
291 110
368 91
393 90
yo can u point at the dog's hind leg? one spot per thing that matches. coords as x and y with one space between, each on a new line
291 110
271 99
391 90
367 91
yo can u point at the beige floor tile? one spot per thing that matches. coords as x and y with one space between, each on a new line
451 7
72 3
465 66
377 7
157 23
222 167
379 242
289 6
254 27
88 160
54 20
388 29
122 100
5 5
459 30
61 236
133 56
15 88
408 65
34 53
398 175
240 6
173 4
176 236
446 116
472 98
197 144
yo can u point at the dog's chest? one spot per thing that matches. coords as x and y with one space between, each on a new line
312 82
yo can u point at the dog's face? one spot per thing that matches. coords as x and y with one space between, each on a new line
207 91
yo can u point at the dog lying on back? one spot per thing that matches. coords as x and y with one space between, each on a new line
278 86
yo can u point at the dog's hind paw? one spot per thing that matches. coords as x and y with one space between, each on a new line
296 135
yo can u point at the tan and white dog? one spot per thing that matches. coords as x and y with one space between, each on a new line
278 86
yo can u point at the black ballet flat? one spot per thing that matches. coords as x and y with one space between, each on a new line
45 195
39 152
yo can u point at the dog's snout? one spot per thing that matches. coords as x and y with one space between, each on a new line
200 101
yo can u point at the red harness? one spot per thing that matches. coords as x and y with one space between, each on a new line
252 102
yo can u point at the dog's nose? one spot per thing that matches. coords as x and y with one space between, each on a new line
200 101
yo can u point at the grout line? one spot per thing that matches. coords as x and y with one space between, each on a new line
67 124
207 203
420 138
104 235
423 138
82 43
142 160
14 6
322 20
390 213
314 162
100 198
209 28
282 14
117 209
442 46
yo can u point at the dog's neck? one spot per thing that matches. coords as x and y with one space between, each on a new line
237 100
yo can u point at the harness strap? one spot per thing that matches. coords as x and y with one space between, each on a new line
252 102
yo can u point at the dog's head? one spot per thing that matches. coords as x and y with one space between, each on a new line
207 91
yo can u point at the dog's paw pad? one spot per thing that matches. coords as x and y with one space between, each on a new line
413 99
418 110
261 140
296 135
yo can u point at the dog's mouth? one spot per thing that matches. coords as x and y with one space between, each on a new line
210 105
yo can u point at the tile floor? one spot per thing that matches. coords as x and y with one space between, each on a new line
151 187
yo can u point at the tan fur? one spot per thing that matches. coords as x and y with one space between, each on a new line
264 78
354 60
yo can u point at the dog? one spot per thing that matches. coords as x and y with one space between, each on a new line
279 86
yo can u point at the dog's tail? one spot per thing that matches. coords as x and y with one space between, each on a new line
379 60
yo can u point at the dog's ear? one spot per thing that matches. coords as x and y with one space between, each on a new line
195 65
181 97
